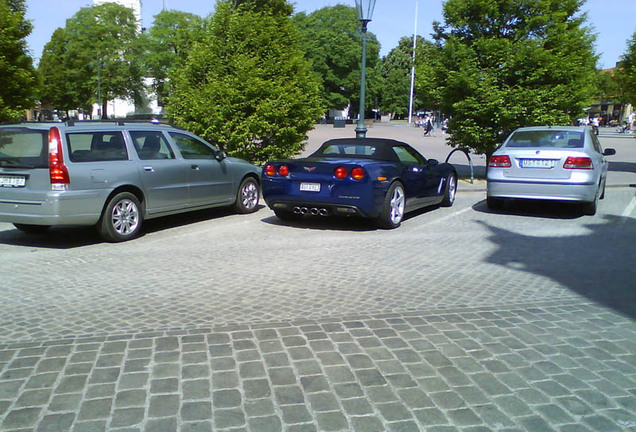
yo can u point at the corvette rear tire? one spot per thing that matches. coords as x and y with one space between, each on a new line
450 191
393 208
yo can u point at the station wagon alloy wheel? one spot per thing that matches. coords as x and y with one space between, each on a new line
121 219
125 217
248 196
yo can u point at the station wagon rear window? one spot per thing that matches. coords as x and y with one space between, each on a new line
96 146
546 139
24 147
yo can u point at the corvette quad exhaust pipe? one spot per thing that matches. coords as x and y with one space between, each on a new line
323 212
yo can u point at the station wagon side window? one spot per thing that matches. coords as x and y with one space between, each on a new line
151 145
408 156
96 146
192 148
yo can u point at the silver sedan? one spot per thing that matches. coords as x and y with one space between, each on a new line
562 163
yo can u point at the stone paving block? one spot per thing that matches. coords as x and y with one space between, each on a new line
195 389
229 418
164 406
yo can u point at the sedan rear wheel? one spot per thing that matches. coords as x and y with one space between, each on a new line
393 207
121 219
247 196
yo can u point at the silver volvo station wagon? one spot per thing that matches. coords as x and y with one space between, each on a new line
114 175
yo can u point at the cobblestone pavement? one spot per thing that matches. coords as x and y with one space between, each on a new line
460 320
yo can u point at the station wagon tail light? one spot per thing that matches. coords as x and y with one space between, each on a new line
58 172
578 163
500 162
340 173
270 170
283 170
358 173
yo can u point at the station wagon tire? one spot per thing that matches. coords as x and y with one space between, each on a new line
285 215
121 219
247 196
450 191
495 203
392 211
32 229
589 207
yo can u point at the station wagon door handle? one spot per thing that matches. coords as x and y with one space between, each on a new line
195 167
149 168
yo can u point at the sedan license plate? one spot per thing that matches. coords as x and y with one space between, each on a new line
537 163
12 181
310 187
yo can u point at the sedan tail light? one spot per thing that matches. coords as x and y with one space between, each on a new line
573 162
340 173
499 162
58 173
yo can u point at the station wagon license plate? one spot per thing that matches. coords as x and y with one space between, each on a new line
12 181
537 163
310 187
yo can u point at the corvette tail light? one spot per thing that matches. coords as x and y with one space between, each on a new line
270 170
499 162
58 173
283 170
341 173
358 173
578 163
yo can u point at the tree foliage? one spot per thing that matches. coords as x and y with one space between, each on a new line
18 80
511 63
167 44
247 86
396 70
626 72
97 51
331 41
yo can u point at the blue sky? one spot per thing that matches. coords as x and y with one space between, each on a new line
614 21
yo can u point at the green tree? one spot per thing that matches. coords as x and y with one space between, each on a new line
99 52
511 63
247 86
56 89
331 41
18 83
626 72
396 70
167 44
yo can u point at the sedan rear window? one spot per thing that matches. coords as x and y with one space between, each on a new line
546 139
23 147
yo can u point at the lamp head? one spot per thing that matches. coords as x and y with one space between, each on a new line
365 10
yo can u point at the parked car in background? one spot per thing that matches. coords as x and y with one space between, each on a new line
375 178
114 175
562 163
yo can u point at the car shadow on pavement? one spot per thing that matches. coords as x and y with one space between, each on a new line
73 237
53 238
628 167
330 223
598 266
535 208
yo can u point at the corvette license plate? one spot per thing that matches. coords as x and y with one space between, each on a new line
537 163
12 181
310 187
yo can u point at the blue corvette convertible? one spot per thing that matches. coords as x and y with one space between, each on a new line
376 178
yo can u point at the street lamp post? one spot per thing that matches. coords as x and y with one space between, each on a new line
365 11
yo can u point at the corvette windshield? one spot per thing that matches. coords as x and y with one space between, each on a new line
347 150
